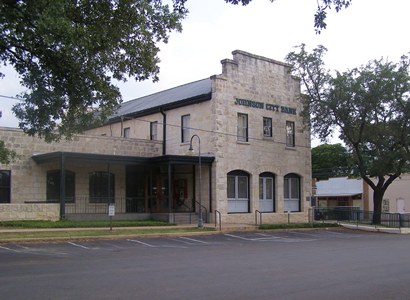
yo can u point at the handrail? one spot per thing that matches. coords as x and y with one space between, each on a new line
220 221
203 209
256 217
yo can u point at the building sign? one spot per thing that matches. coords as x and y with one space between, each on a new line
267 106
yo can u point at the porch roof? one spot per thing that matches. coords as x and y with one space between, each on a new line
120 159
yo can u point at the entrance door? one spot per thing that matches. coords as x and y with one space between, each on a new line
159 193
266 194
401 207
136 190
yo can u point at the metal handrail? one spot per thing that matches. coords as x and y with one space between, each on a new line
256 217
203 209
220 220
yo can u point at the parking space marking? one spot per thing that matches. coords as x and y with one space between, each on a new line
142 243
237 237
8 249
78 245
193 240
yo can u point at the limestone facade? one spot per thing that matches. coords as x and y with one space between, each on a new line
250 88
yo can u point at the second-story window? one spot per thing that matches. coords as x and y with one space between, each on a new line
242 132
290 134
126 132
267 127
185 132
153 135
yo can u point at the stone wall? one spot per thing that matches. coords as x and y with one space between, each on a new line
29 211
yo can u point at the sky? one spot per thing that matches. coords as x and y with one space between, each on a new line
367 30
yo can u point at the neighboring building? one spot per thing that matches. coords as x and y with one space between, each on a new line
254 153
396 199
342 192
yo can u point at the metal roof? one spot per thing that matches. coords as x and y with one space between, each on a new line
186 94
340 186
121 159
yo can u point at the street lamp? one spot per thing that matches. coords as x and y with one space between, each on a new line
200 221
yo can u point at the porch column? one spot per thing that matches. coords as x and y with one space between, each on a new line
170 191
62 186
210 187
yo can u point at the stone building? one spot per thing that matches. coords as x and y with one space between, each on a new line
251 153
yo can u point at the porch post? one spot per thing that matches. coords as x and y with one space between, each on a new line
170 188
210 187
62 186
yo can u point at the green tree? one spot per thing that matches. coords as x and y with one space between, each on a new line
369 106
68 52
330 160
323 6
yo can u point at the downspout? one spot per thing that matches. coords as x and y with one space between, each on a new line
164 131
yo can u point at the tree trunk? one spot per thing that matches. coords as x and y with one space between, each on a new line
377 204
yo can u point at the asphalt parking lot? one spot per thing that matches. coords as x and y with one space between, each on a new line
316 264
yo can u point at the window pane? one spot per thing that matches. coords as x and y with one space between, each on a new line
267 127
242 187
295 188
269 188
286 188
242 132
260 188
154 129
5 186
231 187
101 185
185 128
290 134
127 132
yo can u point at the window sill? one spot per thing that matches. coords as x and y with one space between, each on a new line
290 148
242 143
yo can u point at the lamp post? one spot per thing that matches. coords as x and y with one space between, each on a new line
200 221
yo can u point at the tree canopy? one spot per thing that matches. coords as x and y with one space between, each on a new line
370 106
68 52
323 6
330 160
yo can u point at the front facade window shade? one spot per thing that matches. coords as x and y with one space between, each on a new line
238 192
101 187
153 135
267 127
5 186
290 134
266 192
185 128
127 132
291 193
242 130
53 186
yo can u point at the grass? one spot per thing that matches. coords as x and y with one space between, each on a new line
80 224
297 225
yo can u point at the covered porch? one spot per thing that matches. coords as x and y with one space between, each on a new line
86 184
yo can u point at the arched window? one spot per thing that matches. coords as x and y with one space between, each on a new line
101 185
291 193
53 186
238 192
266 192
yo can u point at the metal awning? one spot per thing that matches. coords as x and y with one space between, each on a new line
120 159
338 195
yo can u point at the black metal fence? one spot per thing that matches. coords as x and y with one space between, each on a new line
356 216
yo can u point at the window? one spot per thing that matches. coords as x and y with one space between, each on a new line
242 134
127 132
266 192
185 132
291 193
101 185
238 192
153 128
267 127
290 134
53 186
5 186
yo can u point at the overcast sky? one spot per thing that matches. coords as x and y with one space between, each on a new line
368 29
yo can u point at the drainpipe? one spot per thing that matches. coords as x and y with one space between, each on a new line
164 131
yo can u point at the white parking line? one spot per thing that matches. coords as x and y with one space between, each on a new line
142 243
78 245
237 237
8 249
192 240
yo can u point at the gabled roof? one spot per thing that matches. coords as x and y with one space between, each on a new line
186 94
340 186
